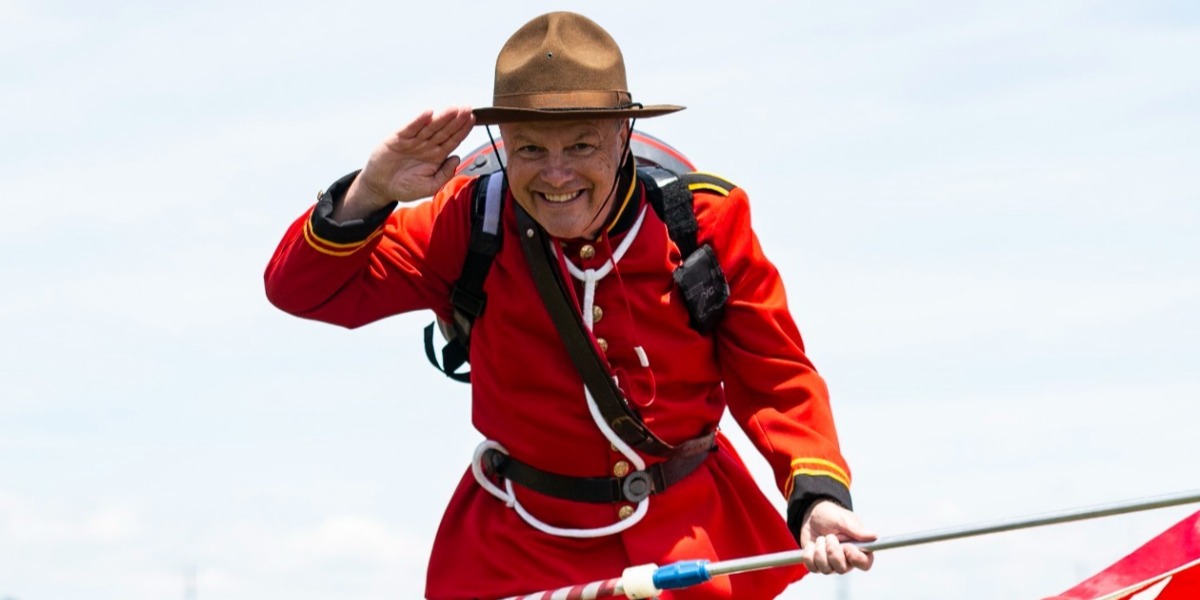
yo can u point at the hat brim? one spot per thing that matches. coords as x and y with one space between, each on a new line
496 115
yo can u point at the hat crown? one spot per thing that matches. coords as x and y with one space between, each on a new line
557 53
562 66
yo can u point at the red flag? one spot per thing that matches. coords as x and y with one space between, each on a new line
1165 568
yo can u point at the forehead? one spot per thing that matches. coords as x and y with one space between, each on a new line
559 130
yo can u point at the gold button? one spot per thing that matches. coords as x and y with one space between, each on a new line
621 469
597 314
613 446
625 512
603 343
587 251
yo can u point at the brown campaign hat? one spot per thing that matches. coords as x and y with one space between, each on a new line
562 66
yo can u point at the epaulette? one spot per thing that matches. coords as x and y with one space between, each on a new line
708 182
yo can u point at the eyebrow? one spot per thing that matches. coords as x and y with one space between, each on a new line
521 139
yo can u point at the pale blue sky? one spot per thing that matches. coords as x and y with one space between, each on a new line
986 217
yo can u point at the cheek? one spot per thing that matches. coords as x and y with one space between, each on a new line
518 183
603 176
523 198
526 203
518 175
603 186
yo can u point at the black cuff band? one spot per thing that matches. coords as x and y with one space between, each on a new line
806 491
348 232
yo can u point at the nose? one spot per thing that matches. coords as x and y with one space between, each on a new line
557 170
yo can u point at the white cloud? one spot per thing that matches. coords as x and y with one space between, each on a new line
26 525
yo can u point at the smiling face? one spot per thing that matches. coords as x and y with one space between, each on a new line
562 173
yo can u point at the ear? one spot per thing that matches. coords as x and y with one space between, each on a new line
623 136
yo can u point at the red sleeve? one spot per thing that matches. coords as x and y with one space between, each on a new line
772 389
366 271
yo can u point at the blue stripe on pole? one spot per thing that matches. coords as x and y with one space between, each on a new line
681 574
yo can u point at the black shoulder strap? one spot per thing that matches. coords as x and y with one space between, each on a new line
672 201
467 296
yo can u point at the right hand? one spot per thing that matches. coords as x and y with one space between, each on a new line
411 164
824 529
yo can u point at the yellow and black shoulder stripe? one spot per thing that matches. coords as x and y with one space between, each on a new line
701 181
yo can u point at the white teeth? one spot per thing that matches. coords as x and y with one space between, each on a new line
561 197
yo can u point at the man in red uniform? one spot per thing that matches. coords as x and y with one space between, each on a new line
552 497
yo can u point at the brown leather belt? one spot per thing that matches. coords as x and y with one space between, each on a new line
633 487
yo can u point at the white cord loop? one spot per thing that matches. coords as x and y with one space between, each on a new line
509 497
589 277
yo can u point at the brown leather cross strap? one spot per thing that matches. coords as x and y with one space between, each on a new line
621 417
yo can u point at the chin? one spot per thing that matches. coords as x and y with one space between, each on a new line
559 227
564 233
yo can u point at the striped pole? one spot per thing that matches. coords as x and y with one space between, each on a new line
691 572
608 588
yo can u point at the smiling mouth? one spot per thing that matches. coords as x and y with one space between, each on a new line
560 198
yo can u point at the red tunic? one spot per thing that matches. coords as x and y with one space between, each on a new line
527 395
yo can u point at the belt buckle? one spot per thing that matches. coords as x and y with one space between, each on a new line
637 486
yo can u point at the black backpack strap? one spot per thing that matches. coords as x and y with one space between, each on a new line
672 201
467 296
700 278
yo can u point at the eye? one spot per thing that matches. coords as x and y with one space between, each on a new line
530 151
581 148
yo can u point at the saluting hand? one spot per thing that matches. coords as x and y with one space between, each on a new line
410 164
824 529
